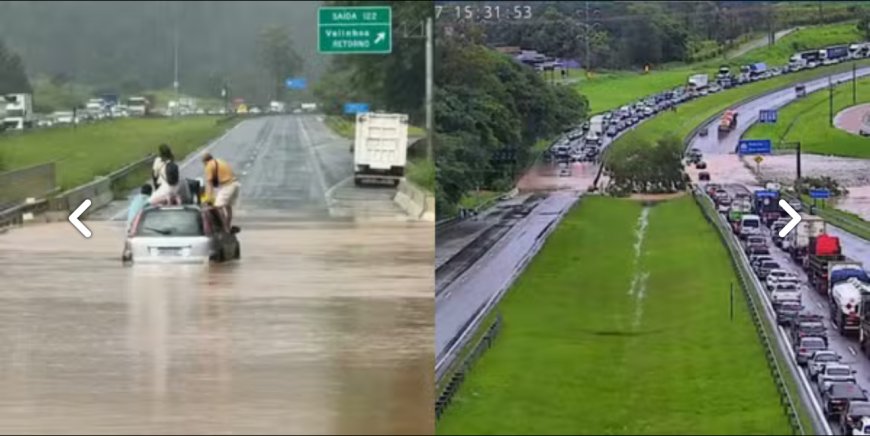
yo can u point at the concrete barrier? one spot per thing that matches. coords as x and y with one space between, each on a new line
417 202
98 191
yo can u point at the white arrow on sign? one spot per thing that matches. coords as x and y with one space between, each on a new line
795 218
74 218
380 37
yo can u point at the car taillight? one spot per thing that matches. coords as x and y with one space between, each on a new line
802 350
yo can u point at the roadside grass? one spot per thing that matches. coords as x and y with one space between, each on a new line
422 173
91 150
570 360
689 115
609 90
807 120
341 126
473 199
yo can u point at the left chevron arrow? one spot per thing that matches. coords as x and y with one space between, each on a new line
74 219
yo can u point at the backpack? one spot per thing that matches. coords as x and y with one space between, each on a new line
172 173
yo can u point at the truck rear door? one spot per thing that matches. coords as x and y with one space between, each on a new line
381 140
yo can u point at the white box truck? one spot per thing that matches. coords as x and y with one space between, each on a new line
698 81
380 147
19 111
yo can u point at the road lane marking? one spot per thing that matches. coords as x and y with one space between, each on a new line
852 350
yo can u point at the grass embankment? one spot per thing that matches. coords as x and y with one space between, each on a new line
91 150
584 350
610 90
420 171
807 120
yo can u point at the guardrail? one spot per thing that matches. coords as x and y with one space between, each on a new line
99 191
456 379
777 348
31 182
445 363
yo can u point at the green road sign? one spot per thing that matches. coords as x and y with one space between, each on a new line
355 30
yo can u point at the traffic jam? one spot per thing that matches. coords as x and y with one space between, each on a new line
586 142
819 265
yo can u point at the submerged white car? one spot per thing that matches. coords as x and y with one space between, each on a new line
180 234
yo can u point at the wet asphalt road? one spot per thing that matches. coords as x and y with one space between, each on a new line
459 301
748 113
325 326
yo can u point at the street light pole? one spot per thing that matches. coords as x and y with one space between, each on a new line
830 102
175 81
430 128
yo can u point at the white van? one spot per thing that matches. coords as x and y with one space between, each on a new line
750 225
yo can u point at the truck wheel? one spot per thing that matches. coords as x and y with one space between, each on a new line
357 181
396 182
238 254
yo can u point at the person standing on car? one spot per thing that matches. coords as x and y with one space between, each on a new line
170 188
221 186
158 169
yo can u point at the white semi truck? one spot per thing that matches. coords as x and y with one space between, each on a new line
380 147
19 111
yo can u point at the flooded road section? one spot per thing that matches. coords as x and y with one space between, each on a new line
329 333
325 325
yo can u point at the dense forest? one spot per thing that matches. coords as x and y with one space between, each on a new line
489 112
128 46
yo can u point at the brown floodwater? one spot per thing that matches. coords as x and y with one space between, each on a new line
321 328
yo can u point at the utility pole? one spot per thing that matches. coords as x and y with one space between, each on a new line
798 162
830 102
423 30
175 81
430 127
854 91
587 66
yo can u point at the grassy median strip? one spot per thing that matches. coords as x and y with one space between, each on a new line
91 150
610 90
808 120
597 339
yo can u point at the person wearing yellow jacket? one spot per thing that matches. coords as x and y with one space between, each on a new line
221 186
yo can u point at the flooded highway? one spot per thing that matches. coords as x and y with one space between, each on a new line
325 325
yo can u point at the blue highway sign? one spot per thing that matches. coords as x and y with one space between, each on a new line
820 193
755 146
296 83
766 194
353 108
767 116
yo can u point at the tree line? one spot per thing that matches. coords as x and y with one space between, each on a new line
622 35
489 113
13 77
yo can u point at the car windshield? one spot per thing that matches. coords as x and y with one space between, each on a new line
750 223
813 343
791 306
826 358
846 390
769 264
839 371
170 222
